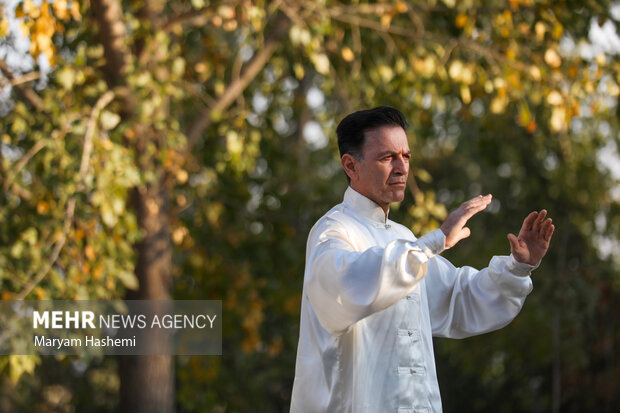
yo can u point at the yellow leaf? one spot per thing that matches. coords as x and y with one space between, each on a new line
300 35
4 27
461 73
182 176
321 63
531 127
423 175
226 12
109 120
426 67
234 143
89 251
465 94
128 279
40 293
557 32
66 77
385 72
535 73
75 11
401 7
552 58
524 116
60 9
612 88
25 28
179 234
79 234
498 104
97 272
299 71
19 11
455 70
540 30
461 20
20 365
554 98
181 200
386 20
230 25
43 207
558 119
347 54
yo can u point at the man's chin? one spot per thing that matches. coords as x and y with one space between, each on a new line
397 196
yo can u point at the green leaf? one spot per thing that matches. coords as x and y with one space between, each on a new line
128 279
109 120
19 365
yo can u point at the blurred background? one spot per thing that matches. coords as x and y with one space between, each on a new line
158 149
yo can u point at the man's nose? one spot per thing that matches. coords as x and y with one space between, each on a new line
400 165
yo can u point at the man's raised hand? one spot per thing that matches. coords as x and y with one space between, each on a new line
533 240
454 226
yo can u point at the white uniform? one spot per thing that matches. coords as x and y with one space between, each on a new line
373 297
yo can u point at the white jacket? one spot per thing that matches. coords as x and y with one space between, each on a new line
373 297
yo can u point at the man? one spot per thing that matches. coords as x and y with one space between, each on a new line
374 294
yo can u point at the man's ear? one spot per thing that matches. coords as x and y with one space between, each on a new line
350 165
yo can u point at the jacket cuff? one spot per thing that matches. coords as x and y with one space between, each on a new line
511 276
519 269
433 243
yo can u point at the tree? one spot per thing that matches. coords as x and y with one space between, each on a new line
171 154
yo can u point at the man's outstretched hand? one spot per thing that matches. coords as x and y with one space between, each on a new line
454 226
533 240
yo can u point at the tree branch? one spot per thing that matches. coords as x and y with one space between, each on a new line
491 56
28 77
22 162
238 85
194 16
70 209
27 93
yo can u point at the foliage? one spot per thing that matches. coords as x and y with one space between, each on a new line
212 104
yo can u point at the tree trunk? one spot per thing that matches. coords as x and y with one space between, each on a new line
147 382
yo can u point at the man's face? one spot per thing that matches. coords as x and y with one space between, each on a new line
381 174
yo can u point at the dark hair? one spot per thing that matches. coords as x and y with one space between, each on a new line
351 129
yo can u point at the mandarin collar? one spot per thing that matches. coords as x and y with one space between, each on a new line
364 206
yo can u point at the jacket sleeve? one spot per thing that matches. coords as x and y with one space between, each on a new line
344 285
464 301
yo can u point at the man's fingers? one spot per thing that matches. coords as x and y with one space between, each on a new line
544 227
514 242
477 200
528 222
549 232
476 205
482 199
454 226
539 219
